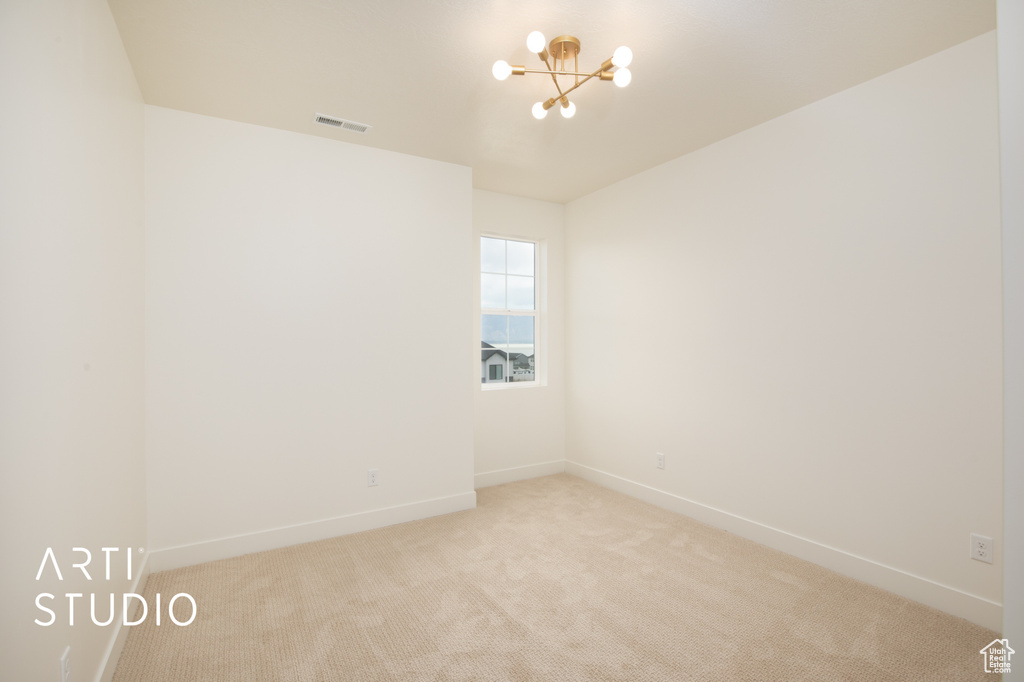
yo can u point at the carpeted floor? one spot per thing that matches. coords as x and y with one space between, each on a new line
548 579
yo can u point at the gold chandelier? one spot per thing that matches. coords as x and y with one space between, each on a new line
561 51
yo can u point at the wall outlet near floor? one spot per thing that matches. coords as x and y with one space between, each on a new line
981 548
659 460
65 664
373 477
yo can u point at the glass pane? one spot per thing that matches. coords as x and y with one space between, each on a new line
492 291
521 366
494 349
520 330
521 349
520 258
492 254
520 293
494 331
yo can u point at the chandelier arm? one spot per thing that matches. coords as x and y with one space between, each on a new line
561 73
552 72
588 77
557 86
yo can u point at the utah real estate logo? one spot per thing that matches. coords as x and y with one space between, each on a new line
997 656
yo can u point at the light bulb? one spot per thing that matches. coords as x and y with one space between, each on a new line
622 56
622 77
535 42
539 111
501 69
569 111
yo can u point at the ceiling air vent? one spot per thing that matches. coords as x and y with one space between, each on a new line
336 122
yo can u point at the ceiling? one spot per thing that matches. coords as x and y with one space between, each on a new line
420 72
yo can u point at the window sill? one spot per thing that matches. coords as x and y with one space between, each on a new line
512 386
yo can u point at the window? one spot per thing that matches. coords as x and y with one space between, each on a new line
508 304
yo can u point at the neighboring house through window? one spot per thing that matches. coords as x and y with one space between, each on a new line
508 305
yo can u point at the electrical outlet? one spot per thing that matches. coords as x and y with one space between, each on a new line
65 664
981 548
659 460
373 477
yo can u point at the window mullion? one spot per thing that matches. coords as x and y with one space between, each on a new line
508 348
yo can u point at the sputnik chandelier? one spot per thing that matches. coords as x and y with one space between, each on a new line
561 51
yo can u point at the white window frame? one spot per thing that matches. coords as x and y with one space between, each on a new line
538 357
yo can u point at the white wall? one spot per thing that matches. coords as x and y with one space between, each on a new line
308 317
805 319
71 336
1011 124
520 432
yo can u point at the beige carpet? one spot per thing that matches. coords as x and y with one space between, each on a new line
548 579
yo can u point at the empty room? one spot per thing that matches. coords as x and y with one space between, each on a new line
478 340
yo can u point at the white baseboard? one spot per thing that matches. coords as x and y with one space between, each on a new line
489 478
224 548
120 633
942 597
